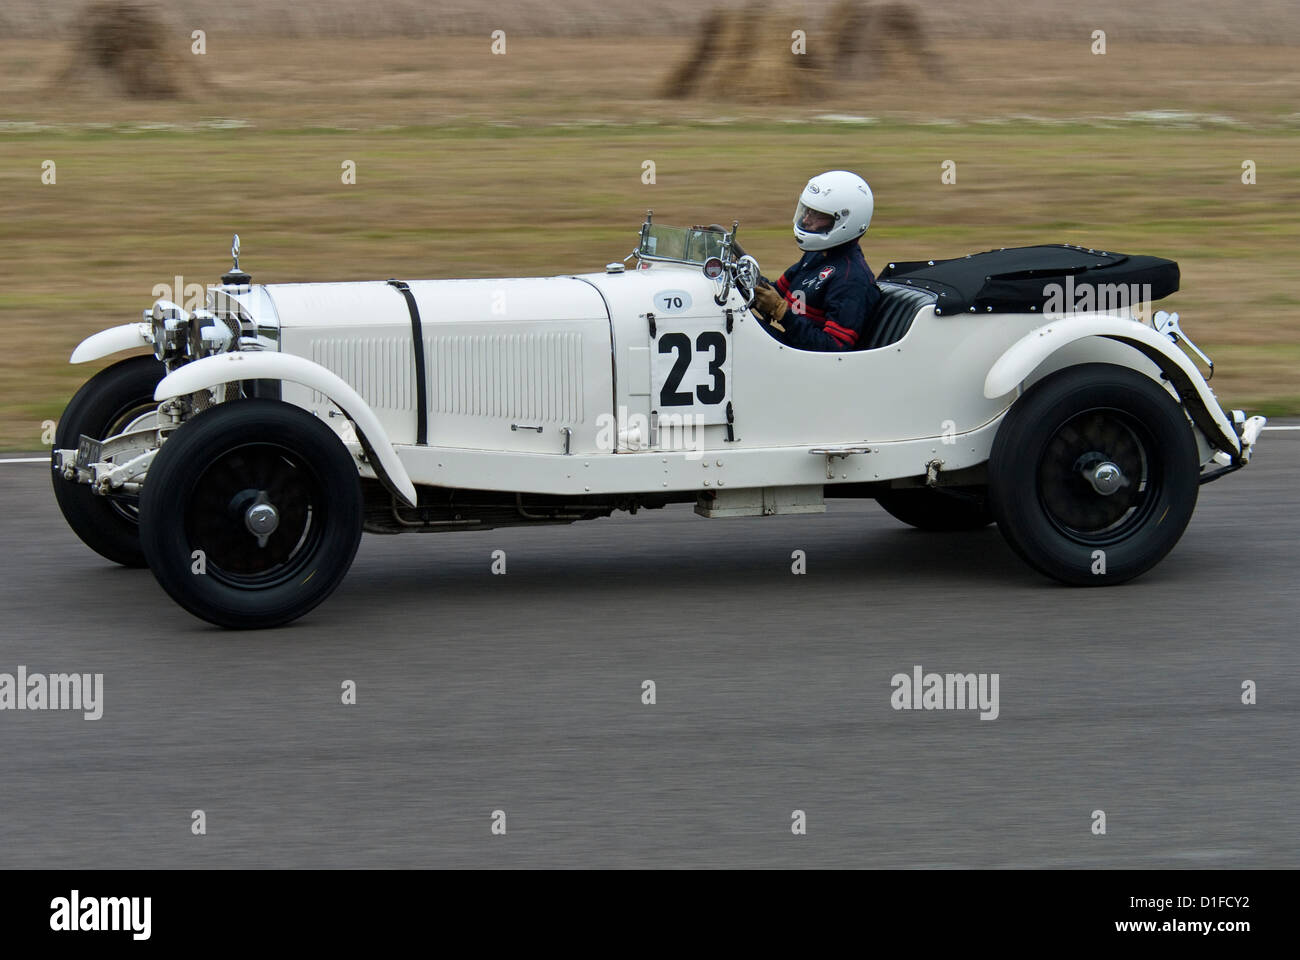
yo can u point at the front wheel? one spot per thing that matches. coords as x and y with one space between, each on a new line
1094 474
251 514
118 398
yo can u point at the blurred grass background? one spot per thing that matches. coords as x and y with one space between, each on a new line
470 164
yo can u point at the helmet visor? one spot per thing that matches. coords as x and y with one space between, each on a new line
813 221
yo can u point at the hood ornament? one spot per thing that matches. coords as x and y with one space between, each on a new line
236 277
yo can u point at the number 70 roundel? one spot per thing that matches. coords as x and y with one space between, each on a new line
691 371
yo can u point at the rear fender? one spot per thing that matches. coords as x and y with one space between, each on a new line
1025 355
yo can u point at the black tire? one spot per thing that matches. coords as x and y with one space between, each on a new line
1053 515
928 509
103 406
197 496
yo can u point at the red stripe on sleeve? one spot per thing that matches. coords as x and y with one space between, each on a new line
842 334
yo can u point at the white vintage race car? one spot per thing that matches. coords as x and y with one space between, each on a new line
244 458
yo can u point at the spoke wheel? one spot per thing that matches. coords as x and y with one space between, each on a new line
228 493
107 404
251 514
1096 479
1094 475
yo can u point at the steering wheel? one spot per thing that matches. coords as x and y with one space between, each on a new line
747 277
743 271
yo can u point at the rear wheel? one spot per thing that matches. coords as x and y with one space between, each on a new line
928 509
251 514
1093 476
107 404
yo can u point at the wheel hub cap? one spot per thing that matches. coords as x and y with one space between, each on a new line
261 519
1106 478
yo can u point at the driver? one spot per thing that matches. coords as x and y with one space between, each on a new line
823 301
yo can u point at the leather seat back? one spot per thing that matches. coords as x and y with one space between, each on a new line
893 316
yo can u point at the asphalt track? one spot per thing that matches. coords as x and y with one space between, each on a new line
522 693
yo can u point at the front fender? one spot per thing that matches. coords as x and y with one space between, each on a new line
1023 357
226 367
114 339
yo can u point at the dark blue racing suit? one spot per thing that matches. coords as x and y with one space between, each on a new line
831 294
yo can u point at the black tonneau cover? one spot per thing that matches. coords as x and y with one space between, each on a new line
1027 279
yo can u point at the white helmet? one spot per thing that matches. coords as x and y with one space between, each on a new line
841 195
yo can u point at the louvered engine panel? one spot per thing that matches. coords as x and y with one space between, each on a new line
378 368
481 386
533 378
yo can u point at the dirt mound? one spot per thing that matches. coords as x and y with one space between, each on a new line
745 55
752 53
871 40
126 48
